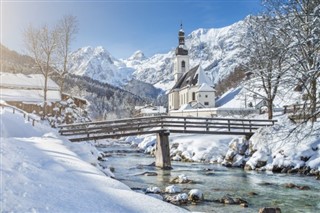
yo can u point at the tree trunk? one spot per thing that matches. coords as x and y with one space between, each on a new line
313 100
270 109
45 89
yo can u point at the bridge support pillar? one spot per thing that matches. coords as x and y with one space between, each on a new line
163 151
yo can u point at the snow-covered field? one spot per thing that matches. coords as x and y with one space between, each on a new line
43 172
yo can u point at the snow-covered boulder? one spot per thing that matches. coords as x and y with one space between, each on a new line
149 140
181 179
195 195
153 189
178 199
172 189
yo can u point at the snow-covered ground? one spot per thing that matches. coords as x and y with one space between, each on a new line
270 148
43 172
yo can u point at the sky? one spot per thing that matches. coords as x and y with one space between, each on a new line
122 26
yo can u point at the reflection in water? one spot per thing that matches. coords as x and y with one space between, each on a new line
260 189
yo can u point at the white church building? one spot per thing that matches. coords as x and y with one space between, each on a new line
193 90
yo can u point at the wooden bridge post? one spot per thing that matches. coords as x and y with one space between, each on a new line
162 150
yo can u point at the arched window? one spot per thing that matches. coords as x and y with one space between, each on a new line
183 66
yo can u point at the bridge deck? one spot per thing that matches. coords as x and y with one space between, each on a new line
149 125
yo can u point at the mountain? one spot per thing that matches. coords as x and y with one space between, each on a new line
13 62
98 64
218 51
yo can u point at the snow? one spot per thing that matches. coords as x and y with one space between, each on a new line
43 172
279 149
27 88
29 96
203 79
205 88
172 189
21 81
218 51
98 64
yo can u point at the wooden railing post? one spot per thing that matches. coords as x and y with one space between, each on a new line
207 124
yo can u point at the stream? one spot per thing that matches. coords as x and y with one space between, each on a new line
259 189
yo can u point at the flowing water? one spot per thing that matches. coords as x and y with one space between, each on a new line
216 181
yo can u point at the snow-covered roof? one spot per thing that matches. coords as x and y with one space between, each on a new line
29 96
202 77
21 81
205 88
194 77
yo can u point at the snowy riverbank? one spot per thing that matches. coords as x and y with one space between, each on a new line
42 172
272 148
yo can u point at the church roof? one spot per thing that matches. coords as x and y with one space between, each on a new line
205 88
194 77
188 78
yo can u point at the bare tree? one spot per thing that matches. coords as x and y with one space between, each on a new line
67 29
266 51
41 43
301 22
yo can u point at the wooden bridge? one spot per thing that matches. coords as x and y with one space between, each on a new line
162 126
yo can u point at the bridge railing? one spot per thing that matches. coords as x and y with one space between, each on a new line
26 115
147 125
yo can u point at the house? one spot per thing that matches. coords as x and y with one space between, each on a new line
78 101
26 91
149 110
192 86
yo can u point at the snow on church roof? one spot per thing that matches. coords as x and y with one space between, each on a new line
205 88
202 77
194 77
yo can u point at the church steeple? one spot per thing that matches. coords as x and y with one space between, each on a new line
181 35
180 50
181 61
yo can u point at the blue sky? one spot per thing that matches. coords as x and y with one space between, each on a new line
123 27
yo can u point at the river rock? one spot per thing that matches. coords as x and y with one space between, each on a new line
227 199
195 195
181 179
270 210
177 199
261 163
172 189
252 193
230 155
247 167
149 174
153 189
245 205
291 186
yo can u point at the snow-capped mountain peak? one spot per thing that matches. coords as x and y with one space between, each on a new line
138 56
98 64
219 51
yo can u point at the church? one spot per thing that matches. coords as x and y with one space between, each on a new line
192 89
